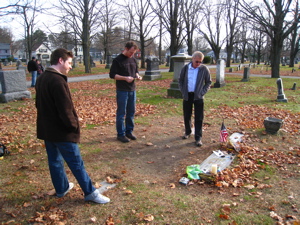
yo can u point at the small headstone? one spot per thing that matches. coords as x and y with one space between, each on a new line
293 70
281 96
246 76
13 83
152 72
294 86
220 74
230 69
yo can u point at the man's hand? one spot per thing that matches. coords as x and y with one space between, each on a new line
138 77
129 79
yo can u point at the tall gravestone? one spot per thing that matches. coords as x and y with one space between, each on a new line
220 82
281 96
246 76
108 62
13 85
179 61
152 72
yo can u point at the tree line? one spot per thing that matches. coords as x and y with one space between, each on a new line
260 31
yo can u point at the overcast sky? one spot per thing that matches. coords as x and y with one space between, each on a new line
16 24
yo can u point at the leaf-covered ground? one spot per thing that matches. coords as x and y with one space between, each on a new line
262 182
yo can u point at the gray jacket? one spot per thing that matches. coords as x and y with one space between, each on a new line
202 84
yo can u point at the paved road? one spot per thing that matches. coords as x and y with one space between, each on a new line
104 76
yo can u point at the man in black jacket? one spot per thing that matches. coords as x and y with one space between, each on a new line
32 68
194 81
58 126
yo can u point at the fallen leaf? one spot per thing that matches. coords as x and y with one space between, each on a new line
149 217
172 185
52 192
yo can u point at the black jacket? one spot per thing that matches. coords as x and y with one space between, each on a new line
32 66
57 119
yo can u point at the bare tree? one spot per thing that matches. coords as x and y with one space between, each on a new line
144 21
295 37
191 15
5 35
274 20
28 12
211 27
232 26
9 9
170 14
108 38
242 42
83 17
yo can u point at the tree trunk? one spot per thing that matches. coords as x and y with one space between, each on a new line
86 38
142 40
275 59
229 50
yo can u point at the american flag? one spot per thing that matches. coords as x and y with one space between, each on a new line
223 133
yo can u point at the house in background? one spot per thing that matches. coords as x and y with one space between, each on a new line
42 52
5 51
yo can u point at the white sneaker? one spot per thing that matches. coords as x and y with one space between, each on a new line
71 185
97 197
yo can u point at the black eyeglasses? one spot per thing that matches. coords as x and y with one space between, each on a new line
197 61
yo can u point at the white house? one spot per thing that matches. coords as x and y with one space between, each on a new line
5 51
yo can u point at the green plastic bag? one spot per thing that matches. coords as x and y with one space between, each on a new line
193 171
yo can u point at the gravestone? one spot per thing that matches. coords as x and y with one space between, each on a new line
179 61
168 61
108 62
230 70
281 96
220 74
74 62
294 86
13 85
246 76
92 63
152 72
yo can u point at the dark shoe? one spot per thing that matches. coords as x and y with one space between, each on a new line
131 136
123 139
199 143
186 136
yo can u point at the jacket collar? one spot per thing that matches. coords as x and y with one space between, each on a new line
52 70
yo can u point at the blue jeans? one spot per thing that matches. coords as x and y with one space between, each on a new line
125 111
68 151
33 78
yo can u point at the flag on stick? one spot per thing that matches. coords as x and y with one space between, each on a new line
223 133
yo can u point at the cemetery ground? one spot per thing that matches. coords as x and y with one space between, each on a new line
261 186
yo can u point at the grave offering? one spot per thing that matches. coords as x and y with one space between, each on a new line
216 162
272 125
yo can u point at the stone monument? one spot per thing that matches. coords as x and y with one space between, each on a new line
220 74
152 72
246 76
13 83
281 95
179 61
